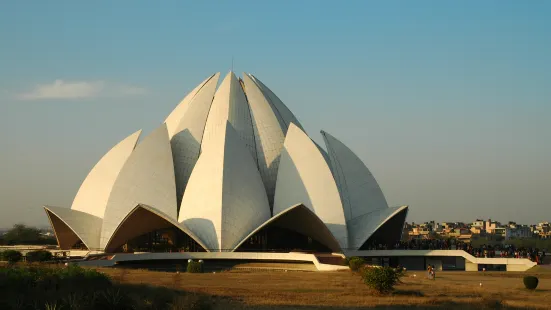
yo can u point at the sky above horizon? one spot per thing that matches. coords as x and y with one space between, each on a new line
447 102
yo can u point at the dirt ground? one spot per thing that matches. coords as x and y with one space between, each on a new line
345 290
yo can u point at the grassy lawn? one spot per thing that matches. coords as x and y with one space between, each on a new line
345 290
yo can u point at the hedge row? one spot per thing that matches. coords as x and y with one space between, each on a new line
13 256
74 287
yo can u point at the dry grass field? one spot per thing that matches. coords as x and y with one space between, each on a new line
345 290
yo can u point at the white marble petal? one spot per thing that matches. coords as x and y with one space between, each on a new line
366 225
269 133
173 119
285 113
359 190
147 177
94 192
83 225
229 105
304 177
186 141
225 199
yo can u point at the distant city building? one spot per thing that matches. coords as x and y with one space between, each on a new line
464 232
518 232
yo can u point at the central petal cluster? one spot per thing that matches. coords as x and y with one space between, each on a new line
227 162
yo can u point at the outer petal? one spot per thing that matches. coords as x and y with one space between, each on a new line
269 133
359 190
285 113
368 224
304 177
229 105
186 141
225 199
147 177
143 219
178 113
95 189
302 220
70 226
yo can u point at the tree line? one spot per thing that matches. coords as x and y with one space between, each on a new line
21 234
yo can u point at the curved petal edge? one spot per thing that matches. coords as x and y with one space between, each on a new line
143 219
70 226
304 177
302 220
363 227
147 177
225 199
173 119
94 192
186 139
360 192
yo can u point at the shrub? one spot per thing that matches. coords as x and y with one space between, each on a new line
346 261
38 256
381 279
355 263
194 266
12 256
24 287
530 282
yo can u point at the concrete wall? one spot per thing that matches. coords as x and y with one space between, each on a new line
280 257
412 263
471 266
517 264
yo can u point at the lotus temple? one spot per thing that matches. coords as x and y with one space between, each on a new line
231 169
230 174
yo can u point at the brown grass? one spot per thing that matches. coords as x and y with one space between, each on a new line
345 290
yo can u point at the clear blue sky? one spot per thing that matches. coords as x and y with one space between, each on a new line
447 102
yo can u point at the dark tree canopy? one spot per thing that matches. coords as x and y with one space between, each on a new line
25 235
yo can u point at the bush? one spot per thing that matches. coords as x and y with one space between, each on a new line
194 266
73 287
355 263
381 279
530 282
11 256
39 256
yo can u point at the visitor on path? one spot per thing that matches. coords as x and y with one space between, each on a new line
429 272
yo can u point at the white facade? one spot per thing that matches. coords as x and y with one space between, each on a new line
230 105
147 177
95 189
225 199
188 135
85 226
228 163
359 190
269 133
173 119
362 227
305 178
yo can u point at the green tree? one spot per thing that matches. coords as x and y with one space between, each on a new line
38 256
22 234
11 256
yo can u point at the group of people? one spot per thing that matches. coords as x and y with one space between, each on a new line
509 251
